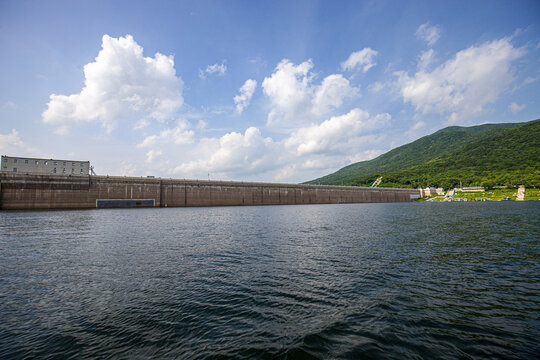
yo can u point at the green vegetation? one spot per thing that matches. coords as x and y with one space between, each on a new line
532 194
487 155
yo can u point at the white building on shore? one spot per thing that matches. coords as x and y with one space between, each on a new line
27 165
431 191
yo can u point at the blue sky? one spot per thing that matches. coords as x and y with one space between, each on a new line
280 91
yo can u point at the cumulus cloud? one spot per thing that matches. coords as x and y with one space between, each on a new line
289 88
294 97
463 86
120 84
330 94
428 33
337 133
305 153
11 143
218 69
178 135
362 60
246 92
234 154
515 108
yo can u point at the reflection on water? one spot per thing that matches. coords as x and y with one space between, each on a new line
452 280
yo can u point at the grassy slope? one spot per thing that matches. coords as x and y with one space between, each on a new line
415 153
435 157
510 157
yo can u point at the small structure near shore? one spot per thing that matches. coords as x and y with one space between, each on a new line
470 189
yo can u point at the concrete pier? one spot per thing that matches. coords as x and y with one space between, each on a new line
26 191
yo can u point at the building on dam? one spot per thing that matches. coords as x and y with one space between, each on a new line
44 166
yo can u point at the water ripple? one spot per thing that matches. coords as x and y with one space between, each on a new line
391 281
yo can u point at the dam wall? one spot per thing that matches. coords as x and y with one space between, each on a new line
28 191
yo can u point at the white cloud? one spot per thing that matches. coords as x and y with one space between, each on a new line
426 58
330 94
149 141
201 124
304 154
530 80
11 143
365 155
218 69
141 124
246 92
126 169
461 87
362 59
376 86
179 135
515 108
120 84
294 97
234 154
339 133
152 155
428 33
289 89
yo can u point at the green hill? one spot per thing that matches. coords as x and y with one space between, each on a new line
491 154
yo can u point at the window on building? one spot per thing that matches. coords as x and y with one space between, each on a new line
64 163
14 161
54 171
64 171
37 162
14 169
46 163
26 161
81 164
73 171
81 171
56 163
72 164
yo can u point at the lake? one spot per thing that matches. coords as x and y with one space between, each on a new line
393 281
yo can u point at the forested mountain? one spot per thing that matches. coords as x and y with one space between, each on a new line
489 155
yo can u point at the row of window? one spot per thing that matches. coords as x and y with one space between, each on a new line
54 170
64 171
46 162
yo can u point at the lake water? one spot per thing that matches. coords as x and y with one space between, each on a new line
393 281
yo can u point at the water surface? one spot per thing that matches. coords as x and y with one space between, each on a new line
415 280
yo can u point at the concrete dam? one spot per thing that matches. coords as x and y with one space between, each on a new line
29 191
